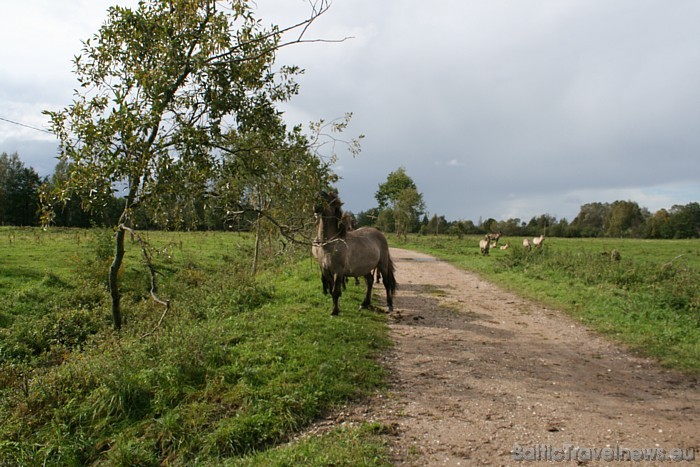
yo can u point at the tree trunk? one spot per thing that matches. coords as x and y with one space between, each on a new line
257 245
114 279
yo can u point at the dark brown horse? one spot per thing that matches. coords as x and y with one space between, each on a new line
356 253
496 236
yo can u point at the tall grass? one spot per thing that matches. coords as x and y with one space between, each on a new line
648 300
240 364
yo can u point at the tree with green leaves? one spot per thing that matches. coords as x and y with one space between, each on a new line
19 192
659 225
400 196
273 174
489 225
624 219
590 221
171 92
71 213
407 210
367 218
436 225
685 220
389 192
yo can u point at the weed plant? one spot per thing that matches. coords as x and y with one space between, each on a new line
238 365
649 299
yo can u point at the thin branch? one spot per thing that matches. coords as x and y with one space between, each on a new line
153 273
305 24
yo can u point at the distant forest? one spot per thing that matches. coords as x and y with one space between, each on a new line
617 219
21 190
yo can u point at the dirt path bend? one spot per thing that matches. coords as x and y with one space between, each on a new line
477 371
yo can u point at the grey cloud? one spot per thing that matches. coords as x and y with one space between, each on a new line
545 105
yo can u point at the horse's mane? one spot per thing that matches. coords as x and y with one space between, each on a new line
335 205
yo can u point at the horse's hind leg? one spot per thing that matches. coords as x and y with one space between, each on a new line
389 301
367 302
390 287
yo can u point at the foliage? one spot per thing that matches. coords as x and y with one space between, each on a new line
367 218
71 212
239 366
590 220
163 86
389 192
436 225
407 210
623 218
649 299
400 203
19 185
276 178
684 221
386 220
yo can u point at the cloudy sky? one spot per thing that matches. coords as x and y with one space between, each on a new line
503 109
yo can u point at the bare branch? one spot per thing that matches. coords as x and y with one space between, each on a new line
153 273
317 9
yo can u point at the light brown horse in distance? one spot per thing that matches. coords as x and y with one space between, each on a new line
342 253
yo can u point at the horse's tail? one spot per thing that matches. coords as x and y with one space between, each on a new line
389 279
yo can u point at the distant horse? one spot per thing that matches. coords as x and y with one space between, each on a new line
354 253
494 237
538 241
485 246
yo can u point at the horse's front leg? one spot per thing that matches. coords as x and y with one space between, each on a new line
367 302
337 291
324 282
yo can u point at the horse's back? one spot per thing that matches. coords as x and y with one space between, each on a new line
369 238
367 248
384 264
370 233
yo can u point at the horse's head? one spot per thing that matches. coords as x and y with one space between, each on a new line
329 211
329 205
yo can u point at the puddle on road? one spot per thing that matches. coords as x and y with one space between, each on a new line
420 260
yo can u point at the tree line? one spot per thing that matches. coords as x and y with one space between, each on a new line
620 219
400 209
22 190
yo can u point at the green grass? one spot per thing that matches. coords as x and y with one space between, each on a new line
351 446
239 366
243 364
649 300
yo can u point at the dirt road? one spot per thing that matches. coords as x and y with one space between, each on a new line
479 374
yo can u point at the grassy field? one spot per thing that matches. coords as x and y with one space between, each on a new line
239 365
649 300
242 364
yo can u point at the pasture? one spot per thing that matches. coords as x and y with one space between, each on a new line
239 365
242 364
649 300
